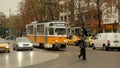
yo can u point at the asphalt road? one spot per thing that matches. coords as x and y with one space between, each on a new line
16 59
68 58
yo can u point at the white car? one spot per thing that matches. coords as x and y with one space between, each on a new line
107 41
22 43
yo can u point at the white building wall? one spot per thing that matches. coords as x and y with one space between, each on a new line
110 15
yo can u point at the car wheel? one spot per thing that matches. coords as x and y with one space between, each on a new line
105 48
8 52
93 46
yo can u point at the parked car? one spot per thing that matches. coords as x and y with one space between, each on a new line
22 43
107 41
4 46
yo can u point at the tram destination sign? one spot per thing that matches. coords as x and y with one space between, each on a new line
59 24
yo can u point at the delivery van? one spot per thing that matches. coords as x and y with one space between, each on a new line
107 41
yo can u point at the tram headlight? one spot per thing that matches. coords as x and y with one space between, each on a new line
56 40
65 41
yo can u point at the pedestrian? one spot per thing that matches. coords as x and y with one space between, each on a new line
82 45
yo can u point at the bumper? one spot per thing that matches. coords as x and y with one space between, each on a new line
115 47
20 48
5 49
59 46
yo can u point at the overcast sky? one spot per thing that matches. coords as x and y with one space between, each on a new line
5 5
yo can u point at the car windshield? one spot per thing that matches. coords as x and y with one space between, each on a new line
60 31
23 40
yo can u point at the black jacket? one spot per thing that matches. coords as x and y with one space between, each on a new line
82 43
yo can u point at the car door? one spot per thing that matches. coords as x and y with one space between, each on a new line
98 41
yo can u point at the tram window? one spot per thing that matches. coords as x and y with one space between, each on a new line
60 31
40 29
30 30
51 31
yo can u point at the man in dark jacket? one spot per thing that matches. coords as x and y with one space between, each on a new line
82 45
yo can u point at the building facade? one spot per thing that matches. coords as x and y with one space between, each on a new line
88 12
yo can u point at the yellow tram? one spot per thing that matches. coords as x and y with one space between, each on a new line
47 34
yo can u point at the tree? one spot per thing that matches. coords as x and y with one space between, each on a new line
101 5
41 10
72 12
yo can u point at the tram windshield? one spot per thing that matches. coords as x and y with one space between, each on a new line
60 31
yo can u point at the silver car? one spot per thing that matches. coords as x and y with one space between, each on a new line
22 43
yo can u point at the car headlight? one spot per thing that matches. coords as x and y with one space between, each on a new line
20 45
7 47
31 44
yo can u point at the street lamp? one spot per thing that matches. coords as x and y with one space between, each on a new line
6 33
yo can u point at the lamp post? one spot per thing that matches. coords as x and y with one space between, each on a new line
6 33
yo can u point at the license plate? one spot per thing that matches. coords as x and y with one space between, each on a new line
25 44
116 41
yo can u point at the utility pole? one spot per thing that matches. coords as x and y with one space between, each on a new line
10 29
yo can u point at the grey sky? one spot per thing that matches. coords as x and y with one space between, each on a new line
5 5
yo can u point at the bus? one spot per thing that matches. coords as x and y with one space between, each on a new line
48 34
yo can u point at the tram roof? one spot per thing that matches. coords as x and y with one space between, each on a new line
38 22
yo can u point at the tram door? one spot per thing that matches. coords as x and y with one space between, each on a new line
46 35
35 35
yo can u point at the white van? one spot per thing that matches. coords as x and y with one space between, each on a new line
107 41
